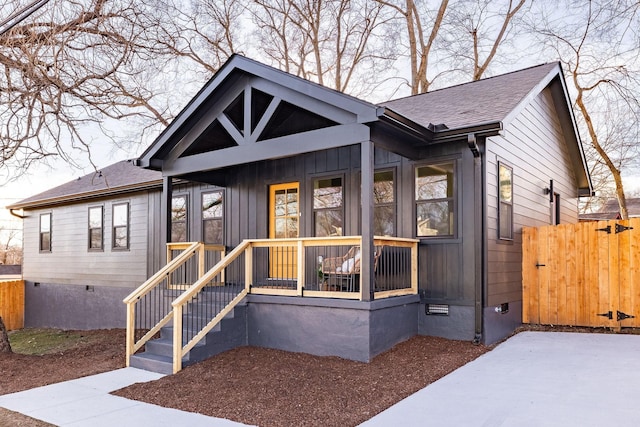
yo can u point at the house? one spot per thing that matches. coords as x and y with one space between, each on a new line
339 227
10 271
76 274
611 210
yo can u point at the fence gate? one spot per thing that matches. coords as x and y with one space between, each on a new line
585 274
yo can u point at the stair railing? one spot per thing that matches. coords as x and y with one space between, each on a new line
180 350
145 289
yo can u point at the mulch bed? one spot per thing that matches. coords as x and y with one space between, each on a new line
276 388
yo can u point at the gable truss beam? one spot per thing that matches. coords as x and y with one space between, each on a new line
286 146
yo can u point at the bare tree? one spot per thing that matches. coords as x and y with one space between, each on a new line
421 37
71 67
5 344
204 32
480 32
10 251
600 53
343 44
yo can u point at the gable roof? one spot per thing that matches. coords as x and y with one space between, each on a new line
481 108
499 99
10 270
633 206
240 73
117 178
487 100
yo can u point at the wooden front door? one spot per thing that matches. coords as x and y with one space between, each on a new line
284 222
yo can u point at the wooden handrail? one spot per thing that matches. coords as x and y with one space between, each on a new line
162 273
178 349
213 272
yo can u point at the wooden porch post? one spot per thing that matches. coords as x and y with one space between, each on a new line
366 200
165 214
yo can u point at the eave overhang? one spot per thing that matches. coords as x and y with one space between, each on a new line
86 196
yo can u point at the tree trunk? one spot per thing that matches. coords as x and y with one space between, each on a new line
5 345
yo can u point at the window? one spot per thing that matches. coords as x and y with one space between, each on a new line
179 218
505 202
212 216
384 217
121 226
45 232
327 207
96 223
435 204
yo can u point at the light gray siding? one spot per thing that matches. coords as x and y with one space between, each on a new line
534 146
70 262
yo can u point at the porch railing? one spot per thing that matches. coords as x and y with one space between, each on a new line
309 267
329 267
149 306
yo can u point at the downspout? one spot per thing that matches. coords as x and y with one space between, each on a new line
16 215
478 209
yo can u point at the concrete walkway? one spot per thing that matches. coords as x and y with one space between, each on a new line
87 402
534 379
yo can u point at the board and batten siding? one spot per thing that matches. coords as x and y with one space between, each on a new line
534 146
70 262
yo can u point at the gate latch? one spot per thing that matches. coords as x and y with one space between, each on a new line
620 228
622 316
608 314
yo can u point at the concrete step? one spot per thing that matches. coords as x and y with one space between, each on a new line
152 362
229 333
164 346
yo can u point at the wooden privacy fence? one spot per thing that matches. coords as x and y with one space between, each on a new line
12 303
584 274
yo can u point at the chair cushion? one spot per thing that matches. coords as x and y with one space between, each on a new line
347 266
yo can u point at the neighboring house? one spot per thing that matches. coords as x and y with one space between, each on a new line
459 171
611 210
599 216
10 271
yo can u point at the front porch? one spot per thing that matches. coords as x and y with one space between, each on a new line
201 285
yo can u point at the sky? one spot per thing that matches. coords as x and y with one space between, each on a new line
44 177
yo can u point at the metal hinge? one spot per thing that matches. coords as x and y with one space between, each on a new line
607 229
620 228
622 316
608 314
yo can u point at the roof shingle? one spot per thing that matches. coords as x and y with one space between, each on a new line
473 103
114 178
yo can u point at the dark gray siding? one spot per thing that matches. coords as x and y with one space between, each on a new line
447 267
533 144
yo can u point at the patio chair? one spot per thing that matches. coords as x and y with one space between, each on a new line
343 273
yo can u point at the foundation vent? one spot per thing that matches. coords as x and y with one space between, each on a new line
437 309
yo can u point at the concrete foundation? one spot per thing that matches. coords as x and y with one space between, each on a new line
74 307
350 329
